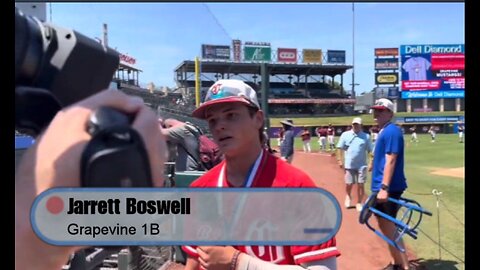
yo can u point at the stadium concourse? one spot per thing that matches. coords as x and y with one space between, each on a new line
283 89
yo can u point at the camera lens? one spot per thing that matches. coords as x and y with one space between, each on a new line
28 48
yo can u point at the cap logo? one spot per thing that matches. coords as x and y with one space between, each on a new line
379 103
216 88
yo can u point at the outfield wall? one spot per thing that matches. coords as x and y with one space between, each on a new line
430 105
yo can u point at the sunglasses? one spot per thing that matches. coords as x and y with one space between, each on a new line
219 92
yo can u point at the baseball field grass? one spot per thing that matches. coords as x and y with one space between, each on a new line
433 166
343 120
441 238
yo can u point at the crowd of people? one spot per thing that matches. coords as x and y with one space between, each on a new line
326 135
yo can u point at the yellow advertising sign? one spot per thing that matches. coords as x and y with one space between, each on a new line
386 78
312 56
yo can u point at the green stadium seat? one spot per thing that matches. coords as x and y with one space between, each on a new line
185 178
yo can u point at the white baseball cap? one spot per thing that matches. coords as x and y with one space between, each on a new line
224 91
382 104
357 120
288 122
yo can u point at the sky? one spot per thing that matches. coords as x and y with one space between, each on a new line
162 35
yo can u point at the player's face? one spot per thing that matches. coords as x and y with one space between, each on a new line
356 127
233 128
382 116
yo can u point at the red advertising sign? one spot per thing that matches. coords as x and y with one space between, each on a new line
421 85
127 59
237 50
448 61
287 55
386 52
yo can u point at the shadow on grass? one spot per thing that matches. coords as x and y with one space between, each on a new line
421 264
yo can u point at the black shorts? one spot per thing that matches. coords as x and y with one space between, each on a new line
389 208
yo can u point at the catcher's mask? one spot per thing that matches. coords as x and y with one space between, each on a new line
405 224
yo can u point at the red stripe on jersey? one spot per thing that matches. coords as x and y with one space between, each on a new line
316 255
191 251
304 254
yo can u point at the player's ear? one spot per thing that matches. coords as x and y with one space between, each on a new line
259 118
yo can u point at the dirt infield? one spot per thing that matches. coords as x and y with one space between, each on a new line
361 248
453 172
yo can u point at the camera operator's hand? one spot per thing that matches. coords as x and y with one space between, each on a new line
54 161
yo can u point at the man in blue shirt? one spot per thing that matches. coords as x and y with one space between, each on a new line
388 178
353 146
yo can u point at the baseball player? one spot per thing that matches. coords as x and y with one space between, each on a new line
461 129
234 117
322 138
433 132
331 137
306 140
413 136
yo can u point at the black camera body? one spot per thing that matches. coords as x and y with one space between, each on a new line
55 67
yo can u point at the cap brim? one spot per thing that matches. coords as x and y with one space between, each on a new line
378 107
287 123
200 111
356 123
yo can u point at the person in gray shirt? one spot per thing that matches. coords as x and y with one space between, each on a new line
186 158
287 146
186 143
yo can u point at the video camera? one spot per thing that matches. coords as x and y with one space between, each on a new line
55 67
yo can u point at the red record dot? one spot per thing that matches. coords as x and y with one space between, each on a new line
54 205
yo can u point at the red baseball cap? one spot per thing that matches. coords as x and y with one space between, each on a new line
382 104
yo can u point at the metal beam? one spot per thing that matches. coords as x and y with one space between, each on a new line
265 92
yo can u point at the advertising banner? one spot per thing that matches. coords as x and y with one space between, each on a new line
386 63
433 67
433 94
287 55
393 92
312 56
237 50
386 92
257 51
381 92
126 59
386 52
336 57
386 78
221 52
432 119
311 101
